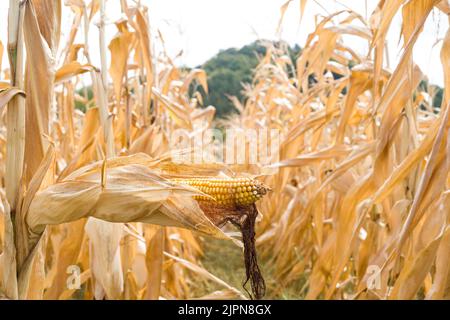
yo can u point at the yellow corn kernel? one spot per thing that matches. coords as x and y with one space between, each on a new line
237 191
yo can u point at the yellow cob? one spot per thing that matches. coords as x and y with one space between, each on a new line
232 191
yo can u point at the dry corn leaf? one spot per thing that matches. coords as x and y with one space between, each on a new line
7 93
39 77
104 252
70 70
120 48
154 262
414 272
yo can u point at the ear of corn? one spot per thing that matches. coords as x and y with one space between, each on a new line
236 197
233 191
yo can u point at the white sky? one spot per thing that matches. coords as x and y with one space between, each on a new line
202 27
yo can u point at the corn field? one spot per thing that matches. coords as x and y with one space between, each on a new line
93 206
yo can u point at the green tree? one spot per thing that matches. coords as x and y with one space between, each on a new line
228 70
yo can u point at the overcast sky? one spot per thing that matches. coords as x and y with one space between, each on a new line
202 27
